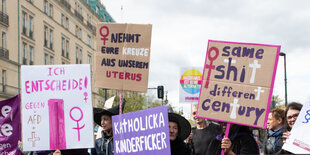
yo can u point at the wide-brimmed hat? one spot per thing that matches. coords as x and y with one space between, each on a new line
98 112
183 125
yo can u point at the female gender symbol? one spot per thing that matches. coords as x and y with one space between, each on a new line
104 36
77 121
210 66
85 98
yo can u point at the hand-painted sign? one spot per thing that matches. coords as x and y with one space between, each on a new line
190 83
56 107
10 125
299 140
237 83
142 132
123 56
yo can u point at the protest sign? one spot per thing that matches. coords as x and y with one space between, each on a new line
237 83
142 132
56 107
299 140
10 125
123 56
190 82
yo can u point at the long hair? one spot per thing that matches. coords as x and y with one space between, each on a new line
293 106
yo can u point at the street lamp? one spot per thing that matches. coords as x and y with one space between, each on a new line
285 79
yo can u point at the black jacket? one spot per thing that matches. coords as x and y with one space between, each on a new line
103 146
243 142
178 147
271 140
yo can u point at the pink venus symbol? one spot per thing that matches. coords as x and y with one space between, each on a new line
78 128
85 94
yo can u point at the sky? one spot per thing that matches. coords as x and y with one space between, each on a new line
181 30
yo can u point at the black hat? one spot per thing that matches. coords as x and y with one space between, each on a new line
183 125
98 112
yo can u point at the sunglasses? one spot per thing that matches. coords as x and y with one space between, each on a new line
293 116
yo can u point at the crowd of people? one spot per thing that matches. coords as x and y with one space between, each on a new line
207 137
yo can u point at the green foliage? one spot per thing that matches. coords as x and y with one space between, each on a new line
278 102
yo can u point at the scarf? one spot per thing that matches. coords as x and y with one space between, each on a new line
275 135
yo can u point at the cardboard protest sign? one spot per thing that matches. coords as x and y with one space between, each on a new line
299 140
142 132
190 82
237 83
123 56
10 125
56 107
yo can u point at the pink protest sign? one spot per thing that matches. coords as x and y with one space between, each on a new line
237 82
55 101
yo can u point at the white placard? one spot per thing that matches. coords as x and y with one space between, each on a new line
56 107
299 140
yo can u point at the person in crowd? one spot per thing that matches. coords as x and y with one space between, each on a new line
273 141
291 113
239 141
202 135
103 117
179 130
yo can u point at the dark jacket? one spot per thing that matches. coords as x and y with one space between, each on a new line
103 146
242 141
273 142
178 147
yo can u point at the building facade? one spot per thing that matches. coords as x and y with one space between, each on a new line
46 32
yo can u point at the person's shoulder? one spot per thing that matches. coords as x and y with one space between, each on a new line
214 127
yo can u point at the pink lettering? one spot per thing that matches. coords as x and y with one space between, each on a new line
47 86
85 82
58 85
40 84
51 87
50 71
75 84
115 73
64 85
56 71
121 75
127 76
80 83
27 87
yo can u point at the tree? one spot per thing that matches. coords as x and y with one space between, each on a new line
277 102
